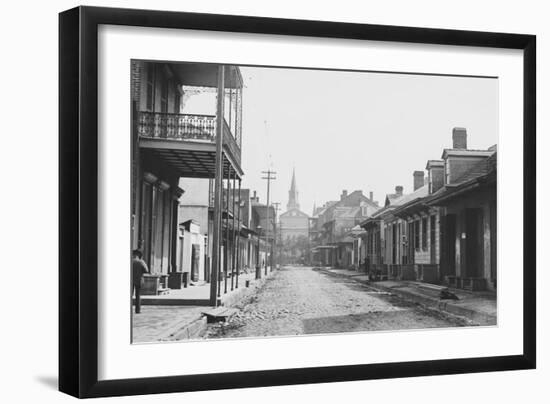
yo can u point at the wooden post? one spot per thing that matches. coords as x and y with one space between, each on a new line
220 246
174 232
214 290
238 237
270 175
233 239
226 251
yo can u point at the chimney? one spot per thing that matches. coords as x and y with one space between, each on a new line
399 190
370 195
344 194
418 179
436 177
459 138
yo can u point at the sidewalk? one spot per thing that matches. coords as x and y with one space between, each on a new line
199 294
179 314
479 307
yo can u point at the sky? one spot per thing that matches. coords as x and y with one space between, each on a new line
355 130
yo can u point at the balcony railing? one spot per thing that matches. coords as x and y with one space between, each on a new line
159 125
177 126
231 142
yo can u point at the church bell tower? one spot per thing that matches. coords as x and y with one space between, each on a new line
293 194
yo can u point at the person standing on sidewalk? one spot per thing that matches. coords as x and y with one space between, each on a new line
366 264
139 268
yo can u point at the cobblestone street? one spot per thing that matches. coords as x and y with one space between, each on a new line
300 300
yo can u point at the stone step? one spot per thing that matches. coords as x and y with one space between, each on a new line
219 314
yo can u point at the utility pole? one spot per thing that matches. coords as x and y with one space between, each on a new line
269 176
276 204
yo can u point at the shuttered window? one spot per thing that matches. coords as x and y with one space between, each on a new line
150 87
416 225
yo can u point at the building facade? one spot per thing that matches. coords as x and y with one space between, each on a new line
468 205
445 230
333 242
173 138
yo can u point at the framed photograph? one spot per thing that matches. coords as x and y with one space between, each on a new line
251 201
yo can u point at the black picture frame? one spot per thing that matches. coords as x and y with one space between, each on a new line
78 196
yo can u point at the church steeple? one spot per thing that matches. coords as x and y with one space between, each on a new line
293 194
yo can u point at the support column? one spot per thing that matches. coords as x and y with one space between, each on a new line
233 239
226 254
214 289
220 246
174 229
238 237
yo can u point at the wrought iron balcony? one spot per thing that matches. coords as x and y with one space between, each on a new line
185 127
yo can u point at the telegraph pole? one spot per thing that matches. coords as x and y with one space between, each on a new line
269 176
276 204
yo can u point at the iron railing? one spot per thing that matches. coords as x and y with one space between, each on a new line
176 126
160 125
230 142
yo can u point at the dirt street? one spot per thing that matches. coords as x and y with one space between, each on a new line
300 300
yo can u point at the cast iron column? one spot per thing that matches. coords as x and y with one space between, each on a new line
214 286
238 238
233 240
226 252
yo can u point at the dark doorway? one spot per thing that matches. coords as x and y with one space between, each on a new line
410 242
432 240
449 247
394 244
473 252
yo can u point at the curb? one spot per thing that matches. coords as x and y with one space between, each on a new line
427 302
196 328
244 292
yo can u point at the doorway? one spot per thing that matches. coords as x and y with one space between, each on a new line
473 252
449 247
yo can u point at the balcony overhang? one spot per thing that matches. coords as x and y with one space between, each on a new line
191 159
205 75
188 143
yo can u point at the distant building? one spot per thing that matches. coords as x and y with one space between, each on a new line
333 224
294 222
262 222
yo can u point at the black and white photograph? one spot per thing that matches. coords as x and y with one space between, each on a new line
273 201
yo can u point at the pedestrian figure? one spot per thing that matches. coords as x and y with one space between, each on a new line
139 268
367 264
